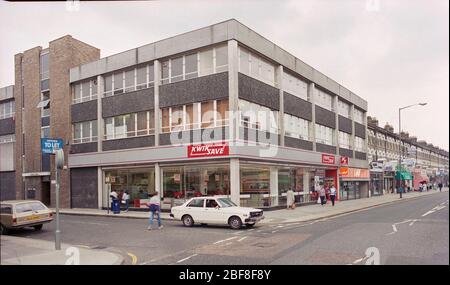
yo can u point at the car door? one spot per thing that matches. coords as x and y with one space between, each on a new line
195 209
213 212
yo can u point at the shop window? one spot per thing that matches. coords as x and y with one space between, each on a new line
255 186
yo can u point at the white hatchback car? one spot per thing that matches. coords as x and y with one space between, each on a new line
216 210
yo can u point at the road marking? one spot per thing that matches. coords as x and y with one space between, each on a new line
228 243
394 227
412 223
251 230
133 258
274 232
358 260
242 238
427 213
83 246
219 241
184 259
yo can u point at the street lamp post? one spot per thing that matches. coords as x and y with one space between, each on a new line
401 142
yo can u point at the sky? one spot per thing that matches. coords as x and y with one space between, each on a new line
392 53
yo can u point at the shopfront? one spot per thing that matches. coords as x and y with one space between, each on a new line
376 182
406 179
354 183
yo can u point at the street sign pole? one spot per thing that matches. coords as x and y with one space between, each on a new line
59 164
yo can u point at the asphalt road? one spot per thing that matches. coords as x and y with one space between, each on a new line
414 231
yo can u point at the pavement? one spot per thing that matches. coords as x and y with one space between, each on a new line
27 251
300 214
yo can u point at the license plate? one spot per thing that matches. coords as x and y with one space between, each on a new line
32 218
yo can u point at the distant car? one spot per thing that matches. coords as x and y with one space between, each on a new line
216 210
17 214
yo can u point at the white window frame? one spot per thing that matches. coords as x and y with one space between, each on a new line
125 135
90 138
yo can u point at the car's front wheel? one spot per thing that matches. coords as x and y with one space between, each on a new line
38 227
187 220
235 222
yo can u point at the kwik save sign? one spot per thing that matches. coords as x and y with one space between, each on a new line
208 150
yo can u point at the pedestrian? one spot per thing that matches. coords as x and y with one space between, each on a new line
322 194
155 209
425 186
400 190
332 194
290 199
126 200
440 186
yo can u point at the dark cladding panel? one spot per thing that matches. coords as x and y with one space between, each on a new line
83 147
325 148
345 124
7 185
346 152
297 107
86 111
325 117
360 130
258 92
130 102
7 126
84 183
298 143
127 143
360 155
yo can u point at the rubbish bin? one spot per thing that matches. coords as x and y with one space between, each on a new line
115 206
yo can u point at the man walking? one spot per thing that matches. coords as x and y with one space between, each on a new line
322 194
332 194
440 186
155 209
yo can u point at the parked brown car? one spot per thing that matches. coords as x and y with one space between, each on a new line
16 214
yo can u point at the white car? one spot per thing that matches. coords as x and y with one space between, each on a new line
216 210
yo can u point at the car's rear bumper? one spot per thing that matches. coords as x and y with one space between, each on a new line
254 219
18 226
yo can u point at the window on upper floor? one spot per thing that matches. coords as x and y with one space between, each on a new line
7 109
360 144
345 140
344 109
84 132
84 91
45 110
129 125
358 116
323 99
129 80
324 135
7 152
256 66
296 127
259 117
209 114
295 86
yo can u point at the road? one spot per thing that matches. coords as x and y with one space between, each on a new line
414 231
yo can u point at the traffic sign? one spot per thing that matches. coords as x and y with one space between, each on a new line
51 145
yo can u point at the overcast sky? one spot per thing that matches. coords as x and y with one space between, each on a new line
390 52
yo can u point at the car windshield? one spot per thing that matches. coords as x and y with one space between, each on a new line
225 202
28 207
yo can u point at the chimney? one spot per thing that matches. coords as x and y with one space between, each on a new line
389 128
372 121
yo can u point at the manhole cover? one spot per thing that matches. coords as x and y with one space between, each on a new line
264 244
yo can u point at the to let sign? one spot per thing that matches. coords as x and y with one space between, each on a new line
344 160
208 150
327 159
51 145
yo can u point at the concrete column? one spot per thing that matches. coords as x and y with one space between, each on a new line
233 92
279 84
158 180
100 121
336 129
235 181
306 178
311 88
100 183
352 141
157 112
274 186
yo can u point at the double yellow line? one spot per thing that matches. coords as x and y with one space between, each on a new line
133 258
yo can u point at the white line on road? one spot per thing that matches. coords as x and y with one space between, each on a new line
219 241
413 221
242 238
184 259
427 213
274 232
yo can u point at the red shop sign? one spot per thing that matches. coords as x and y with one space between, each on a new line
208 150
328 159
344 160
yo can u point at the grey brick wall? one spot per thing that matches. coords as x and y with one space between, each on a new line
325 148
360 130
360 155
346 152
297 107
83 147
84 183
205 88
298 143
86 111
129 143
132 102
258 92
7 185
345 124
325 117
7 126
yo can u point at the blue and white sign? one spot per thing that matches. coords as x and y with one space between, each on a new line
51 145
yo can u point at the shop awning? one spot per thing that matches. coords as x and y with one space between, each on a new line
403 175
